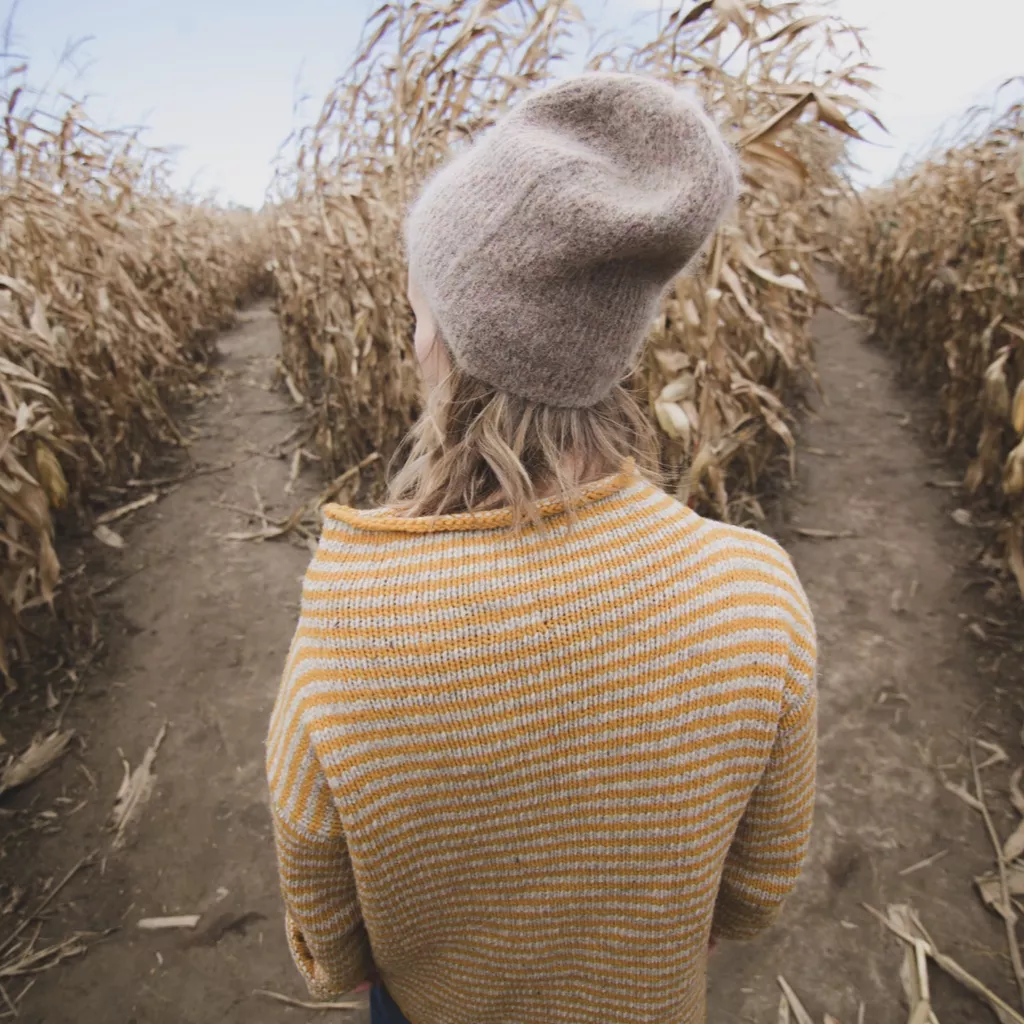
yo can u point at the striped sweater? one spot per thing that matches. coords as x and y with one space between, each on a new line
527 775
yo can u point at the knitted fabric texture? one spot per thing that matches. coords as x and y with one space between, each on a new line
545 248
533 772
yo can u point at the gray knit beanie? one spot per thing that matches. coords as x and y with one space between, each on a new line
545 248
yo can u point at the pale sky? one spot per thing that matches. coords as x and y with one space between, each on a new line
219 78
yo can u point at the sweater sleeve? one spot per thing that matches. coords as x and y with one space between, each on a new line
768 850
323 919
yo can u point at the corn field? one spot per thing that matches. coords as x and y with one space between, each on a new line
733 348
938 258
112 289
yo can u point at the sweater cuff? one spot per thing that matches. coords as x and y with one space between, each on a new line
738 921
319 981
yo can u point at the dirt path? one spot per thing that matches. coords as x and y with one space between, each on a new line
206 627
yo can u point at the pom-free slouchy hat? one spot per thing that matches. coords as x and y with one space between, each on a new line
544 249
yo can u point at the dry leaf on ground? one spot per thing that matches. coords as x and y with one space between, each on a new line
991 891
105 535
1014 845
135 790
41 754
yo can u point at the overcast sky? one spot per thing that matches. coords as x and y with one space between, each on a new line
220 78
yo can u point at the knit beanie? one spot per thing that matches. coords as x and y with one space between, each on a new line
544 249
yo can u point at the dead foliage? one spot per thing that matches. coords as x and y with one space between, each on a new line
919 951
999 890
937 257
135 790
21 952
111 291
41 754
733 348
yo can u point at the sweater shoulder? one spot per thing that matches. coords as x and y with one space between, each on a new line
750 547
744 543
790 609
754 556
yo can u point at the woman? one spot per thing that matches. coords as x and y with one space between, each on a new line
545 735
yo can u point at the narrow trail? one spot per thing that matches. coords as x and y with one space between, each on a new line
206 625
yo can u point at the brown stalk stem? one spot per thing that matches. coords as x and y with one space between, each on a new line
7 1000
104 588
160 481
335 485
400 107
950 967
9 941
249 513
305 1004
1009 916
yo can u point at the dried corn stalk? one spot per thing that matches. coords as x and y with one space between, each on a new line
733 348
111 289
938 258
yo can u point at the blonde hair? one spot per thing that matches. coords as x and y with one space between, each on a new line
476 448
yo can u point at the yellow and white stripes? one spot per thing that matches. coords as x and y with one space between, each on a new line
535 771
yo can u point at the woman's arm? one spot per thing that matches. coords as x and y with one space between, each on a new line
768 850
323 918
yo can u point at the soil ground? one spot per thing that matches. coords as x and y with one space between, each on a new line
205 622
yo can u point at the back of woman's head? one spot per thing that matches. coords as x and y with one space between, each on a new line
540 256
476 447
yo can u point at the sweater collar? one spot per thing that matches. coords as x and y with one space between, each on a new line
388 521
